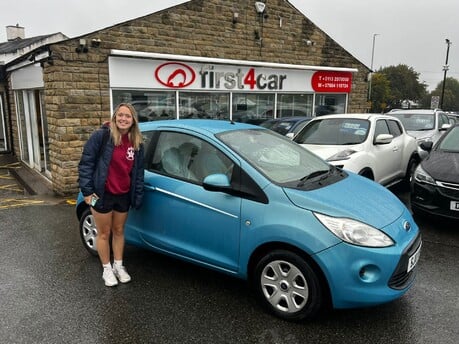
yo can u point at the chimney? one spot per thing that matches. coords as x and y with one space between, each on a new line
14 32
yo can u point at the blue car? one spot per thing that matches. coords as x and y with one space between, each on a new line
245 201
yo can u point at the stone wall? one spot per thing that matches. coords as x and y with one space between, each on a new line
77 98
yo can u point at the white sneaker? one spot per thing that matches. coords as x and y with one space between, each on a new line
121 273
109 277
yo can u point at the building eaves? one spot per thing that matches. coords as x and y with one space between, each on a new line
20 43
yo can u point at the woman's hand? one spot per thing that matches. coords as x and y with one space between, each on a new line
91 199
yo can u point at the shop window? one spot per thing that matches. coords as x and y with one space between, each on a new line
294 105
329 103
204 105
252 108
149 105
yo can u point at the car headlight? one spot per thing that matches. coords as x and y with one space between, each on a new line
355 232
422 176
343 155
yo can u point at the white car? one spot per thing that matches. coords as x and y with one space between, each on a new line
424 125
373 145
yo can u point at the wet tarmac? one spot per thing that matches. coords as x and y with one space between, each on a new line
51 291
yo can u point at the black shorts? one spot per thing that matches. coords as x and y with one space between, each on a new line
119 203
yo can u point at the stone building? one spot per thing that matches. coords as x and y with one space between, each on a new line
218 59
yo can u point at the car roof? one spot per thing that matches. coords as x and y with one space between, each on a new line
415 111
367 116
212 126
290 119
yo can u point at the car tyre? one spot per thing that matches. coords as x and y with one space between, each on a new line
288 286
88 231
412 164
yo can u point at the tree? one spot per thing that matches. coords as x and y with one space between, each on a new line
404 85
380 92
451 96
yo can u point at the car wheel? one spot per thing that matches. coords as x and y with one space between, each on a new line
412 164
88 231
287 286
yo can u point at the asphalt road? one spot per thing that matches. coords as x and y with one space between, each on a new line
51 291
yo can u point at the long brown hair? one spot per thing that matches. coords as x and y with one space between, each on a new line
135 137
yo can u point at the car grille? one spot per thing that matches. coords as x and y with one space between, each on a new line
400 278
448 190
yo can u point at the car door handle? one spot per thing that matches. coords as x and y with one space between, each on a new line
395 149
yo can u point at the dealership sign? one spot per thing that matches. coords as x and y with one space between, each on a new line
173 75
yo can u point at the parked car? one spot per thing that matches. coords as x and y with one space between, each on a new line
453 117
245 201
435 184
372 145
288 126
424 125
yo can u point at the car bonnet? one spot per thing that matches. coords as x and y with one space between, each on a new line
354 197
443 166
421 134
326 151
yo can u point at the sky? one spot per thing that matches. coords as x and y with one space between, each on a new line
410 32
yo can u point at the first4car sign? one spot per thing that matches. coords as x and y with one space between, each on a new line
184 75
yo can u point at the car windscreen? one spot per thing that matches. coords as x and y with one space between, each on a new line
450 141
416 122
278 158
334 131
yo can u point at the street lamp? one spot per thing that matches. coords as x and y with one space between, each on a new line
371 67
445 69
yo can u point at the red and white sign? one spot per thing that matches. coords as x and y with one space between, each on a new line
142 73
331 82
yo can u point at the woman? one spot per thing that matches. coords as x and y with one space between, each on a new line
111 180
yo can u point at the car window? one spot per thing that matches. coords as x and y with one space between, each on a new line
187 157
334 131
444 120
282 127
381 127
394 128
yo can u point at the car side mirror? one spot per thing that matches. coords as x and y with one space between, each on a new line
216 182
445 127
426 145
383 139
290 135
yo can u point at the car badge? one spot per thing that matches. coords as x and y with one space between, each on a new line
406 225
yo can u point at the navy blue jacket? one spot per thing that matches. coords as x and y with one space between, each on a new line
93 170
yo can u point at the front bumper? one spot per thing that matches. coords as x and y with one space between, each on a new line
435 199
362 276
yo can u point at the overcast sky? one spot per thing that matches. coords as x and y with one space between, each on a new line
411 32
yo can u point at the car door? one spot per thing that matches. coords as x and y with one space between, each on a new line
179 216
388 156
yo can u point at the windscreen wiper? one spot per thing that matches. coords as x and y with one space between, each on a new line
313 175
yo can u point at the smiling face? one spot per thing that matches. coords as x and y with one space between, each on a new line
124 119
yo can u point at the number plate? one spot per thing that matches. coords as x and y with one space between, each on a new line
454 205
413 260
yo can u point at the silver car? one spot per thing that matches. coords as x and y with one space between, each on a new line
424 125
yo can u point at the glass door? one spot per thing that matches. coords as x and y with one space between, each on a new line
3 139
33 130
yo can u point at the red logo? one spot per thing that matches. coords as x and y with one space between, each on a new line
175 75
